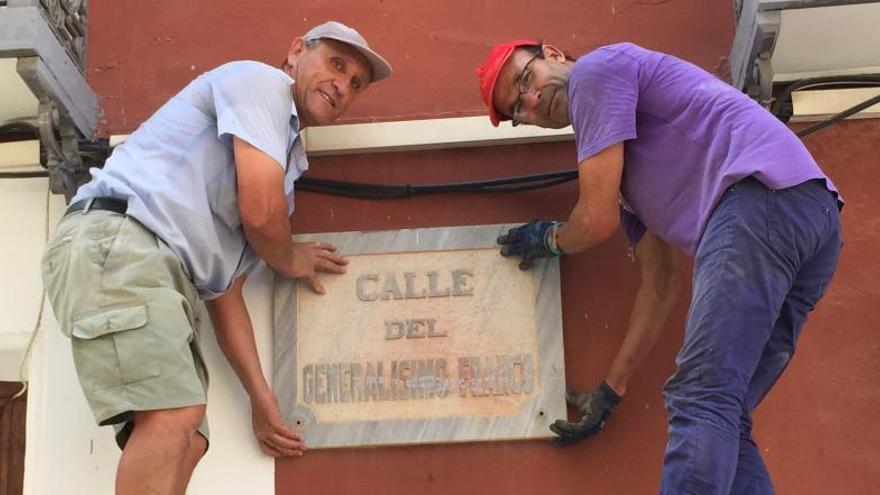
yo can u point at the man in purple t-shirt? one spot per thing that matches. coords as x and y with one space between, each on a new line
679 159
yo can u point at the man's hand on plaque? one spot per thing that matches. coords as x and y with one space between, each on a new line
595 405
274 437
309 258
536 239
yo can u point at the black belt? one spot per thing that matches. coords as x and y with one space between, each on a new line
110 204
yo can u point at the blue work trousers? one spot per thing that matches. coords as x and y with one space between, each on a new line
764 261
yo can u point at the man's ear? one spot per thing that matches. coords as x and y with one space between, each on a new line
553 53
296 49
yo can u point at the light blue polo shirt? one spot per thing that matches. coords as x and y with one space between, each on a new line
178 174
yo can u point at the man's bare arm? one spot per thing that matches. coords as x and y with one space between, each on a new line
263 208
657 295
235 334
654 301
263 205
596 215
594 218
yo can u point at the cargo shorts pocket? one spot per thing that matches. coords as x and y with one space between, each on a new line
109 348
55 273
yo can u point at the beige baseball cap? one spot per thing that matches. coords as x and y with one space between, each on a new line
340 32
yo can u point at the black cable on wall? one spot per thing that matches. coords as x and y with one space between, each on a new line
97 151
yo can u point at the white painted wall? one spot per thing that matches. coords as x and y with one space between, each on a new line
66 452
22 223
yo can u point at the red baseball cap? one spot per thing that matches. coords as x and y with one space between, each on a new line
491 68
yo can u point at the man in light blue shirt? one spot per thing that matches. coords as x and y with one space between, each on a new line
186 208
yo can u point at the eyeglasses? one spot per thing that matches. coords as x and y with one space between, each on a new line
523 85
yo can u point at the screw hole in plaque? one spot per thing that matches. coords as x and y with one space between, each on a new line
299 423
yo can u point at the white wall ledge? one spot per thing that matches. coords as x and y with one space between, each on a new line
411 135
414 135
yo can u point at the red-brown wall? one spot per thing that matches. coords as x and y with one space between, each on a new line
141 53
817 429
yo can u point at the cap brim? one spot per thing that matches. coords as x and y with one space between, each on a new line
494 115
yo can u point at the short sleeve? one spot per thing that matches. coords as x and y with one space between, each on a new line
632 227
253 102
603 94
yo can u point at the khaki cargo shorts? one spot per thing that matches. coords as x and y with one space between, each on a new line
120 294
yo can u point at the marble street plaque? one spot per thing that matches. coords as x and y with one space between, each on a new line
431 336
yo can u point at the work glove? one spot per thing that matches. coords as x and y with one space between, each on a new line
536 239
595 405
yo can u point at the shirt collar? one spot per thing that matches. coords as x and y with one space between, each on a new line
294 115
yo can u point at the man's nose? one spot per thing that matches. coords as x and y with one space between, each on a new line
341 86
531 98
530 101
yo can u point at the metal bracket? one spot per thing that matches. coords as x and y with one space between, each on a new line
764 78
47 37
59 150
753 49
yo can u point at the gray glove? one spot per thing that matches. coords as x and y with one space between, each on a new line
595 405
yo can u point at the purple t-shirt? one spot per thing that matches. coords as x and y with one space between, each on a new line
689 136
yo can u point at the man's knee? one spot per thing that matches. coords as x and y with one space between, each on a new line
182 423
198 447
708 396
